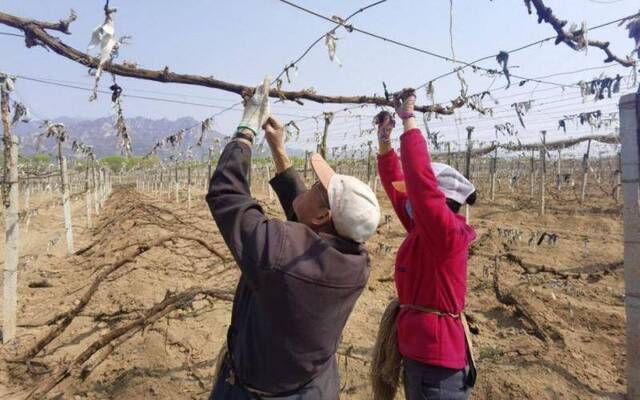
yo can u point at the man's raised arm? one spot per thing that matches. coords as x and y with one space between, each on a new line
287 183
254 240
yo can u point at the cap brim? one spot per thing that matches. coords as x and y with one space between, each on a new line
400 186
323 170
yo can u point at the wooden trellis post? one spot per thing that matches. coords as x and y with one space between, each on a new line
269 189
543 169
328 117
467 166
630 140
189 186
66 206
618 177
369 163
306 165
493 166
11 227
585 172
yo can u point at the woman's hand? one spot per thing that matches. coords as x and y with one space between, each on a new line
385 123
404 103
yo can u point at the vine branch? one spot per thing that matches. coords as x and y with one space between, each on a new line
35 34
574 39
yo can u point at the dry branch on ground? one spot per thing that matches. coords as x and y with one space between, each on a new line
110 341
67 317
508 299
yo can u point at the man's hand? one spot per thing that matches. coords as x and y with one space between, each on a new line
251 117
274 133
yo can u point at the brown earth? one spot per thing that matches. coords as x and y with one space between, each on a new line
549 320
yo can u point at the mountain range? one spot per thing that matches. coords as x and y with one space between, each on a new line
145 133
100 133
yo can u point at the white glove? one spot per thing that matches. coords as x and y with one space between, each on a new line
251 118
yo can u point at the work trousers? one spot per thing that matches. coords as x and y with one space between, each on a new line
324 387
429 382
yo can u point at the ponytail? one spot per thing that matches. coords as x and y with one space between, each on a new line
386 365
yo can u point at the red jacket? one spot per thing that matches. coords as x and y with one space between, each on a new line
431 265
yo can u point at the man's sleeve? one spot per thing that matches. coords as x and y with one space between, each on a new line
390 171
288 185
255 241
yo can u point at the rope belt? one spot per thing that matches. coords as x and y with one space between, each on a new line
429 310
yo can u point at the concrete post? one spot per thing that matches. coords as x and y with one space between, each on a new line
532 180
11 225
630 140
94 180
493 166
467 168
177 183
66 206
543 169
87 194
559 173
618 177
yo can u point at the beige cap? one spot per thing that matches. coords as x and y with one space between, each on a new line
354 206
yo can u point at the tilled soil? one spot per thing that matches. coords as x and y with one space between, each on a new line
142 309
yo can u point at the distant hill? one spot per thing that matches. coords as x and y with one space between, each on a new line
100 133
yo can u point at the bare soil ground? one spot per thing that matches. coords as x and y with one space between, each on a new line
142 310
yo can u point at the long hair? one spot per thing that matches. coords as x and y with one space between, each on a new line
386 365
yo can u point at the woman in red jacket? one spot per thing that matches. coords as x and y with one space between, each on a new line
430 270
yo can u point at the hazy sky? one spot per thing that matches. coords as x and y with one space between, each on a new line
241 41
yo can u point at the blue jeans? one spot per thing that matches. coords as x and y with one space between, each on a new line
428 382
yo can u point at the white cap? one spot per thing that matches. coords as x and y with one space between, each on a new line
450 182
354 207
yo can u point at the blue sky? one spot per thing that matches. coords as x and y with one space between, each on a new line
241 41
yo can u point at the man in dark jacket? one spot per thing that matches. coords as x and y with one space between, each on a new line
300 278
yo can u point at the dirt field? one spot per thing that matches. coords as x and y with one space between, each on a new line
549 319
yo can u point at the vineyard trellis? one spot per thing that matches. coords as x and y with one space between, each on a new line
481 162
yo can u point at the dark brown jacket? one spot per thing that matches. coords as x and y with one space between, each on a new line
297 287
